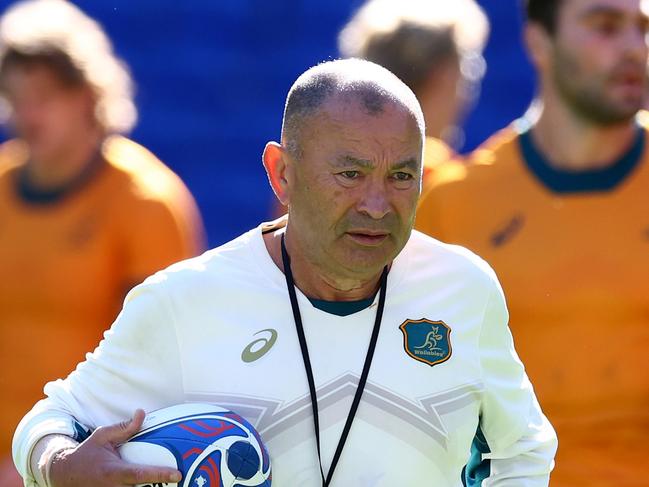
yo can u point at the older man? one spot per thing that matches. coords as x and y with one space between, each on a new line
403 340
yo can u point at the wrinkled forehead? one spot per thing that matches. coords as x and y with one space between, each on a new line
346 127
361 106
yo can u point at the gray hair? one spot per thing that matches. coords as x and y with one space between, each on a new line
372 85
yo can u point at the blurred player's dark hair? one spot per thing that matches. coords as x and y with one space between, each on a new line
544 12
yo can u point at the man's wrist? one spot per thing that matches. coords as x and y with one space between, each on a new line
45 452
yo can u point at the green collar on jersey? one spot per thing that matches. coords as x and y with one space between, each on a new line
341 308
31 194
592 180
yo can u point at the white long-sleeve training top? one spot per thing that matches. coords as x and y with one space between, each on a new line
445 379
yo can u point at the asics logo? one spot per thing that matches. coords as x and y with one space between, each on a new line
259 347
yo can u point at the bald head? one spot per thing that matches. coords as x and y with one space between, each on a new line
369 84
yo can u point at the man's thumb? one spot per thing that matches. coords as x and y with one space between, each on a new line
122 431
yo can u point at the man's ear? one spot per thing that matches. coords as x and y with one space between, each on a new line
539 45
276 162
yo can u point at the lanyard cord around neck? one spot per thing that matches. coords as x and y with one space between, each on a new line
290 284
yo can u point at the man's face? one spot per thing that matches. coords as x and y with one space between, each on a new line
47 115
599 58
355 187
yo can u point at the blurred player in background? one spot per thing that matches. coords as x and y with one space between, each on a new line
435 47
557 203
84 213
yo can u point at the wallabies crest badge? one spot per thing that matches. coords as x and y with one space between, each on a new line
427 341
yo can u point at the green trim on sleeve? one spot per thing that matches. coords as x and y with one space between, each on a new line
477 468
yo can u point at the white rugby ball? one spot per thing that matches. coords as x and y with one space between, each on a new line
211 447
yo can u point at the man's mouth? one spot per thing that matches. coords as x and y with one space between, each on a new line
631 77
369 238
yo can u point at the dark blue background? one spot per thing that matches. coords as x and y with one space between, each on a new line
212 76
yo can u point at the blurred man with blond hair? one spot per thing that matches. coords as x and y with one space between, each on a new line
84 213
435 47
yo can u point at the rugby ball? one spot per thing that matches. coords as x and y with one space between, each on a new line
211 447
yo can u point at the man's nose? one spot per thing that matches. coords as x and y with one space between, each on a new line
375 202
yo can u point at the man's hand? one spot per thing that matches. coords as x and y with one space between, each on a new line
96 461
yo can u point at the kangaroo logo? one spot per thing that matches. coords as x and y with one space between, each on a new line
427 341
431 340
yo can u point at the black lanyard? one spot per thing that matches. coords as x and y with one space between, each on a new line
290 284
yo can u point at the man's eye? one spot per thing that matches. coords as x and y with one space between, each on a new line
607 27
402 176
350 174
